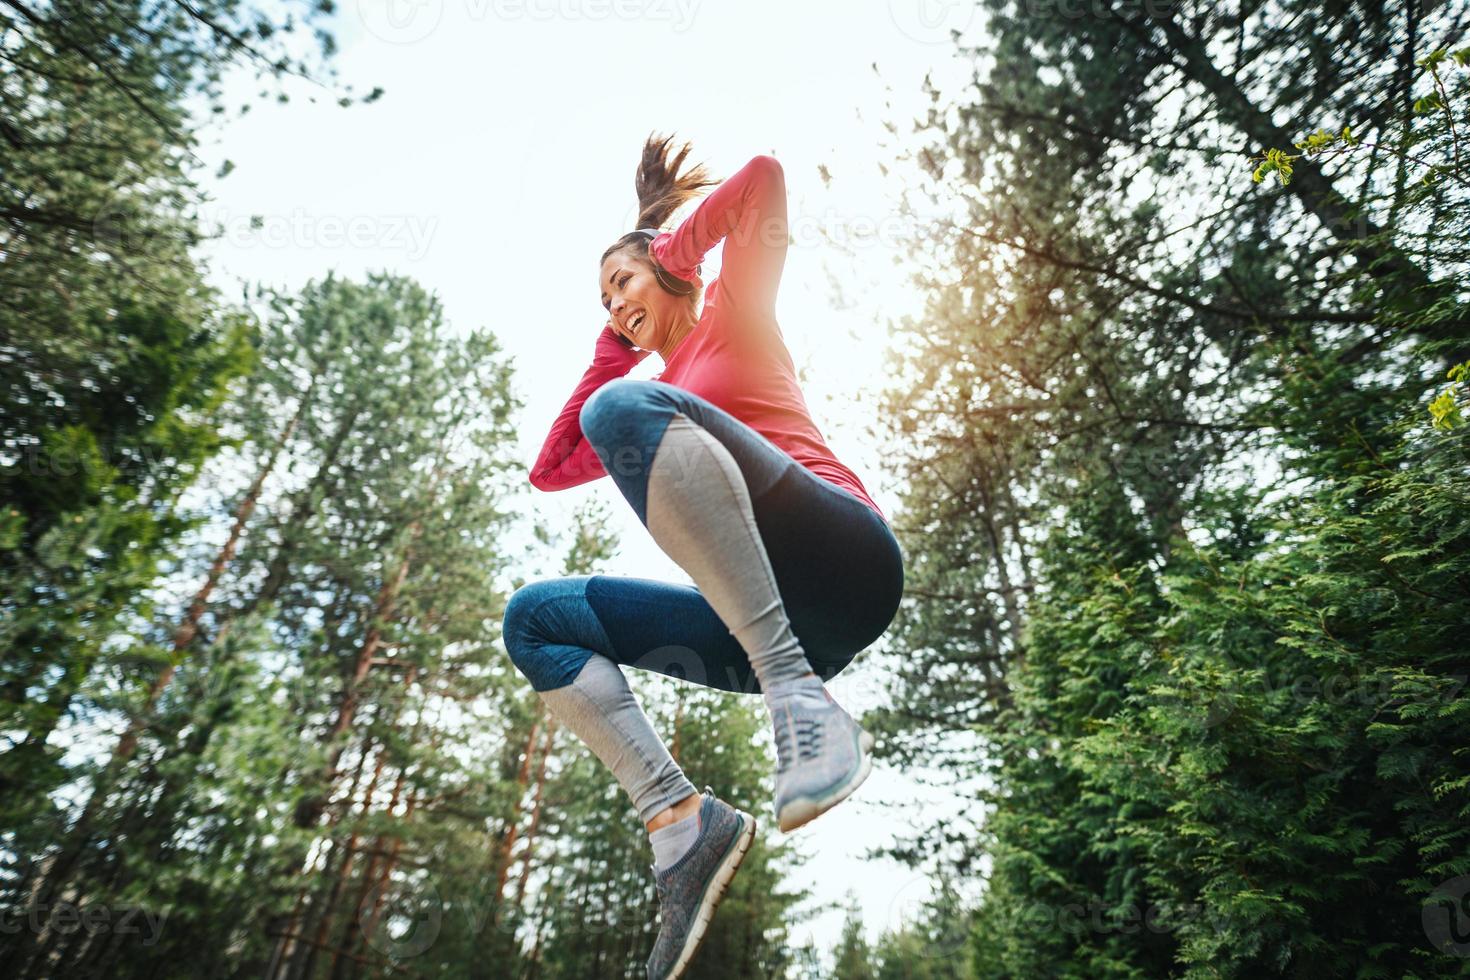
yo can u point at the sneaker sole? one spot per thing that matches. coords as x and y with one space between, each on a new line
804 809
713 892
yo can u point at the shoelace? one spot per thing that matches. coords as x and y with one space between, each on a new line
806 733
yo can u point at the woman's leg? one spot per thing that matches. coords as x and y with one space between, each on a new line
833 564
804 574
560 637
693 473
699 512
569 637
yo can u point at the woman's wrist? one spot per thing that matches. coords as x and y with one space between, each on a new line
613 345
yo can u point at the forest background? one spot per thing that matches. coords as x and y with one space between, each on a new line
1145 320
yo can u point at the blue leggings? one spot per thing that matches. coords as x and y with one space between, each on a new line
837 565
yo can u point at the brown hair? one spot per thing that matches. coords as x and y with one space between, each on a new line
662 190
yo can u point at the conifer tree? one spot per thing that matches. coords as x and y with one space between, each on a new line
1165 440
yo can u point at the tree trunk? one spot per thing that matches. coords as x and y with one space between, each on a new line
79 837
347 941
290 951
188 627
344 872
392 860
513 826
309 811
278 572
535 814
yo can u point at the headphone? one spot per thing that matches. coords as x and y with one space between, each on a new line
666 279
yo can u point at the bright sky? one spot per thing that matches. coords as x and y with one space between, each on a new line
500 163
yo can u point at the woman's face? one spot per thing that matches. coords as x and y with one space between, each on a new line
640 309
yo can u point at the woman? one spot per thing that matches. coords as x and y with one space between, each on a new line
795 568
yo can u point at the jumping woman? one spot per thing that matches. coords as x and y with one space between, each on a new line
796 570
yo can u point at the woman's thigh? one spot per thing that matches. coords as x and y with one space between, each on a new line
553 626
838 567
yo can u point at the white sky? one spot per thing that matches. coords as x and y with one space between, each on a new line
500 163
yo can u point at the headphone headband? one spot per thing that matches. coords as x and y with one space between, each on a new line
666 279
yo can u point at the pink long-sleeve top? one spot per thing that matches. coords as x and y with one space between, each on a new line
735 357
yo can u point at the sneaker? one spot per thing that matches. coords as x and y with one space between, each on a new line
690 888
822 757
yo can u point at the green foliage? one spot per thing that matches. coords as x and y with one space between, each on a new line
116 360
1445 408
252 570
1188 563
98 461
1436 101
851 956
1280 163
1277 162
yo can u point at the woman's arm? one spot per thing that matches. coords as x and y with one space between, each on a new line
747 210
567 459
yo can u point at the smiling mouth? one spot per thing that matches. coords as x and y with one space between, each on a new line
636 322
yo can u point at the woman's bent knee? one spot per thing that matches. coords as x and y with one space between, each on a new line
518 629
613 399
547 633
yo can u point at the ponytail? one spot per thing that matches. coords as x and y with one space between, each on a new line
662 190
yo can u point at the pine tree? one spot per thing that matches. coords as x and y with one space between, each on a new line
1165 439
852 957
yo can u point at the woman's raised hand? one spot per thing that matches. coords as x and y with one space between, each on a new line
615 342
613 326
